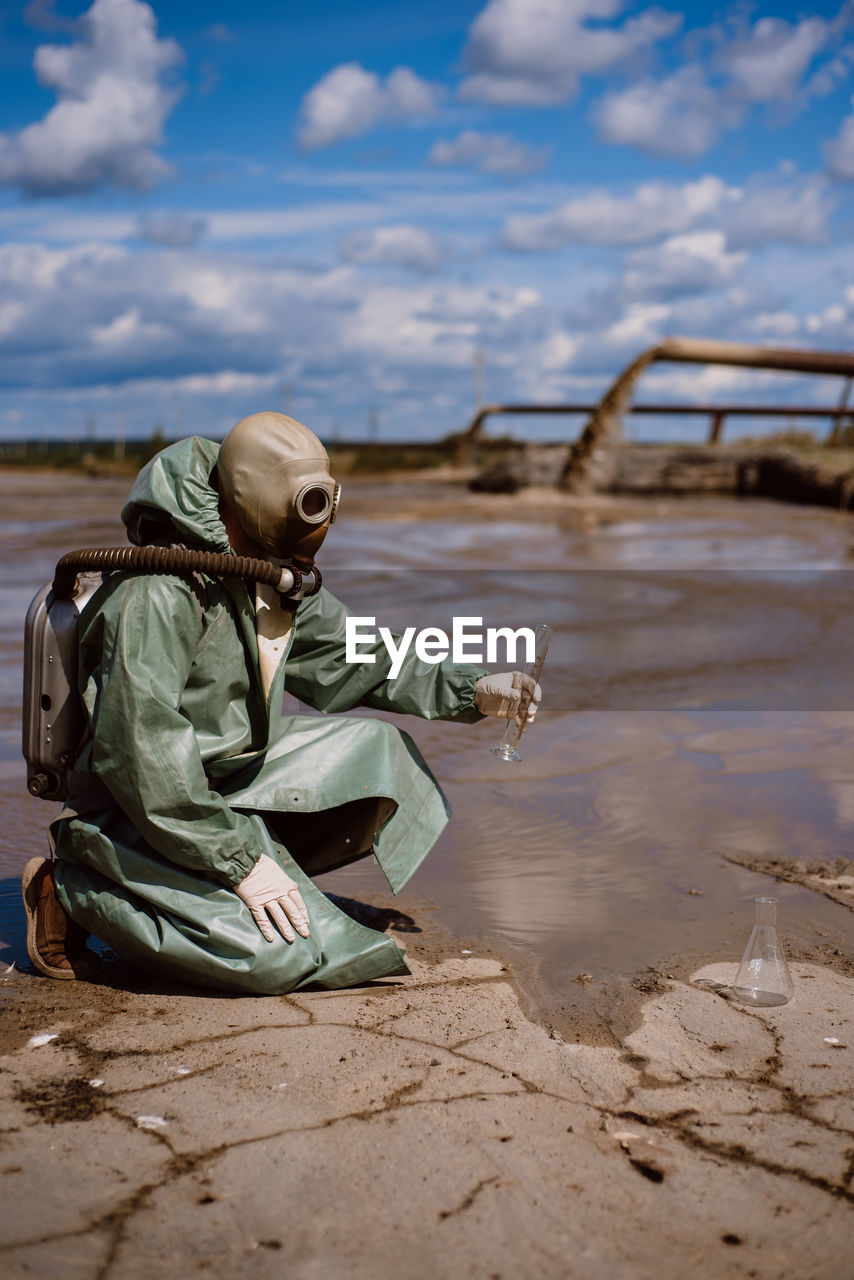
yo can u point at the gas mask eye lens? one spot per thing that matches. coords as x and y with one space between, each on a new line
314 504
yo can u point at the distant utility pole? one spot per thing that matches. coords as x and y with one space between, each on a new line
479 370
179 418
119 446
373 423
838 422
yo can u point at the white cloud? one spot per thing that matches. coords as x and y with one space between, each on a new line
172 228
440 325
772 61
532 52
95 328
725 312
768 63
776 324
498 153
129 328
839 152
763 211
684 264
831 322
408 96
251 224
348 101
681 115
93 315
97 313
558 351
443 196
405 246
652 210
113 99
831 74
705 383
641 325
792 211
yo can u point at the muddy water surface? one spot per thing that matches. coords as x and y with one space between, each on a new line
698 700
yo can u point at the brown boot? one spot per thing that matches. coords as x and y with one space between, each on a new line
55 944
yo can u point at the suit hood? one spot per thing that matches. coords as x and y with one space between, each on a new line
175 498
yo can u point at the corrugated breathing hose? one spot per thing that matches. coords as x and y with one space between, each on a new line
178 560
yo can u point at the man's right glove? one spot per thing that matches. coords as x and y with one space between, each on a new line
499 695
271 894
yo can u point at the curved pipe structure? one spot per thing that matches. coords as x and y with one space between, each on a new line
605 424
588 462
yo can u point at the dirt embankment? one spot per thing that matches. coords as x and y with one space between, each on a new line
824 478
834 877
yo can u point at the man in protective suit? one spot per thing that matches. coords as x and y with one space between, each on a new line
197 811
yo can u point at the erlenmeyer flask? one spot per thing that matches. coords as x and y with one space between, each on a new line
763 976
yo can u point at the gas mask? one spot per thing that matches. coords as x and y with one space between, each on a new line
276 473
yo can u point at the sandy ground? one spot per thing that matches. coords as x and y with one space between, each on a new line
423 1127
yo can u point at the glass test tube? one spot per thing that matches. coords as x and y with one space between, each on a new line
508 748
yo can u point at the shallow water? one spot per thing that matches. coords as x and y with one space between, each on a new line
698 699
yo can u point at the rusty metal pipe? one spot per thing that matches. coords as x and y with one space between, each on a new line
591 460
838 415
744 355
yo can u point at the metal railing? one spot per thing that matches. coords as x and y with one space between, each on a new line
716 413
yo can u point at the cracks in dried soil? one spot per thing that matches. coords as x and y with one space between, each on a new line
56 1102
469 1199
678 1122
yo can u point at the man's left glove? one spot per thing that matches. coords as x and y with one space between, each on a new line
501 694
271 894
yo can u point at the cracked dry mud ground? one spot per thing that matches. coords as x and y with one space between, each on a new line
425 1126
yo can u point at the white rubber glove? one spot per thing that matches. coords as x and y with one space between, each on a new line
269 892
499 695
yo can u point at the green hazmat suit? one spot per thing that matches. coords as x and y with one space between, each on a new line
191 773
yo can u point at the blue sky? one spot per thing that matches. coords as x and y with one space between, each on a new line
207 210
